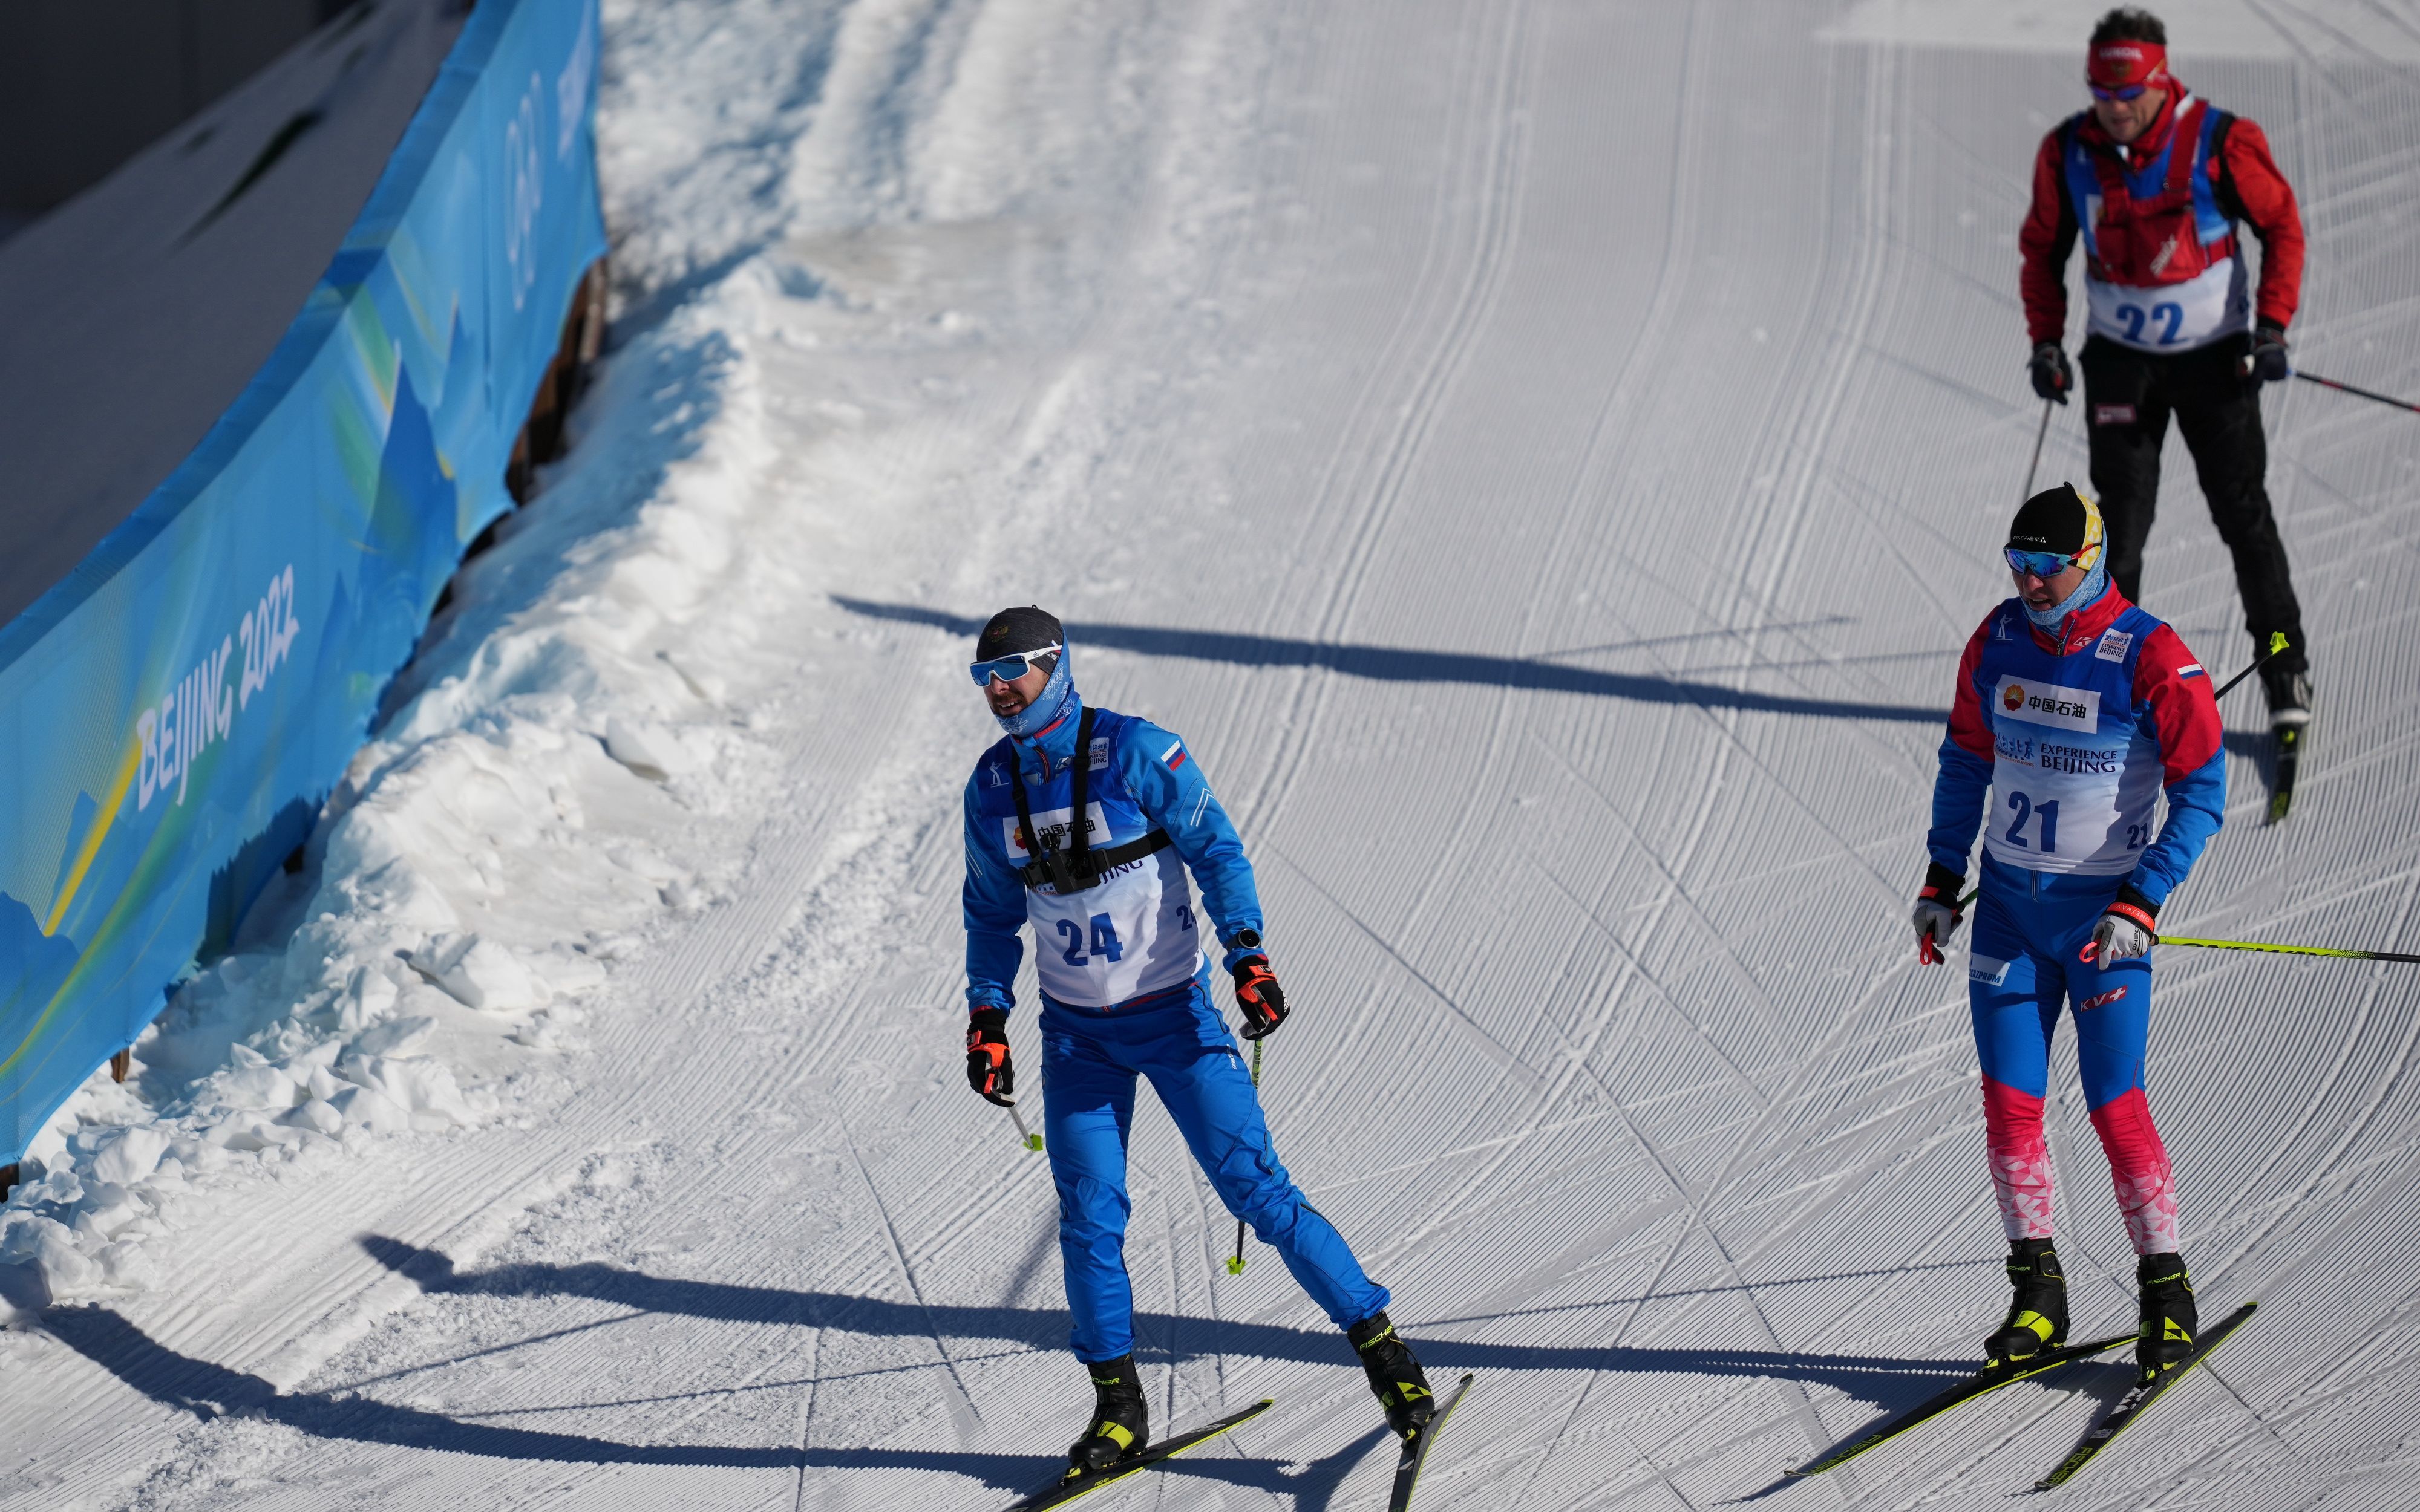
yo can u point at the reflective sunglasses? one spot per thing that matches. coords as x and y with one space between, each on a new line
2123 92
1010 668
2039 563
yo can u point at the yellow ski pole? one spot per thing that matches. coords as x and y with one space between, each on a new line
2292 949
1235 1262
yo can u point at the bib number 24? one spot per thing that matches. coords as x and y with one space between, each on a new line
1104 941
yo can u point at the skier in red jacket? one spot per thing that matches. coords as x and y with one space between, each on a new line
2157 182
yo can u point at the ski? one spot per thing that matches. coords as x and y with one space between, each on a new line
1068 1487
1416 1449
1982 1382
2139 1400
2289 756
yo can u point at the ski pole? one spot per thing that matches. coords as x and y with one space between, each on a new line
2293 950
1025 1136
2347 388
2039 431
1235 1262
2277 643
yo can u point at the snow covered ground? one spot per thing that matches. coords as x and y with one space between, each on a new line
1544 457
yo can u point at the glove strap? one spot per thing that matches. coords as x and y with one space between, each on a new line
2138 916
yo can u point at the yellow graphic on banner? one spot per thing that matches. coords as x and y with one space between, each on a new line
93 837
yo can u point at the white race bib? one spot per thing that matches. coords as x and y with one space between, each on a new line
2172 317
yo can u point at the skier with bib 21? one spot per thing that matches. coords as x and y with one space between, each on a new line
1083 823
2075 712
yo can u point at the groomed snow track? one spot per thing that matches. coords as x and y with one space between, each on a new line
1544 455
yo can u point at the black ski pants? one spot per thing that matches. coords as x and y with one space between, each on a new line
2127 397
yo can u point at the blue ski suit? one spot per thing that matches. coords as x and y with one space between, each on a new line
1125 992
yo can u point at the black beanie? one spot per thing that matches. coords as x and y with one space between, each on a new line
1013 631
2057 519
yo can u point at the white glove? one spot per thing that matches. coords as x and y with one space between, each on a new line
1933 921
2122 934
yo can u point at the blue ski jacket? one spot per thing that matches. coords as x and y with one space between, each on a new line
1133 933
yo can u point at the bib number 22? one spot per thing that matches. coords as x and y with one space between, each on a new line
2170 315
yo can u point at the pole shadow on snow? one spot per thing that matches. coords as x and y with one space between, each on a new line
1395 663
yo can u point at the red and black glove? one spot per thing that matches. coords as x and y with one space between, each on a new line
1938 912
1259 995
988 1071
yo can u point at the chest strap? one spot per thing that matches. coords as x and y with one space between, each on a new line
1077 866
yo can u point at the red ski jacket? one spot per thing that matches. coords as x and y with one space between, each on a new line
2247 184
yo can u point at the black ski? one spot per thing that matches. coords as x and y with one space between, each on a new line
2139 1400
2289 756
1416 1449
1067 1488
1982 1382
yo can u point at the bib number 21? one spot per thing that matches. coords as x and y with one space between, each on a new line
2026 809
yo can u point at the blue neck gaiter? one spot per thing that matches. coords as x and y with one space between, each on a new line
2087 593
1058 696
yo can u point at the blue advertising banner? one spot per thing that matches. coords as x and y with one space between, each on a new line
173 714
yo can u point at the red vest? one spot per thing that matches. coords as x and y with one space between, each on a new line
2154 220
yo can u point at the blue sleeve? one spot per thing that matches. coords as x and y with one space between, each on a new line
993 900
1168 782
1959 795
2197 807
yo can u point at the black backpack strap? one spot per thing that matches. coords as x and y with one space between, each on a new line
1079 826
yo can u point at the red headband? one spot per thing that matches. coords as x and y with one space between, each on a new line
2121 65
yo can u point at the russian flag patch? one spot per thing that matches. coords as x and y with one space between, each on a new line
1174 755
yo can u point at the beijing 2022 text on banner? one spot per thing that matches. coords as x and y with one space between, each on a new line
173 714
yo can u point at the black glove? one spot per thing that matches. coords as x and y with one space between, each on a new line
1258 994
2052 377
2267 361
1936 913
988 1071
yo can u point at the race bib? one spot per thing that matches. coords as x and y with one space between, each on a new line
2172 316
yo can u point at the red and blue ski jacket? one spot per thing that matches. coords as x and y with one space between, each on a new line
2074 738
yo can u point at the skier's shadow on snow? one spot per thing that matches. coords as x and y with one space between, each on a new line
209 1390
185 1384
1882 1380
1397 663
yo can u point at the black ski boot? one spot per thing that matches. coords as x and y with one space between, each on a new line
1120 1422
1395 1375
2168 1321
2289 697
2036 1320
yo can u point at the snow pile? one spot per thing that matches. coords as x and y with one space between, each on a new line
546 785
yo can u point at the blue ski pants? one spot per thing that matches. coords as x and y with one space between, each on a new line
1090 1059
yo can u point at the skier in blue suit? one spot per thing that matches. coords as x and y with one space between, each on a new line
1083 823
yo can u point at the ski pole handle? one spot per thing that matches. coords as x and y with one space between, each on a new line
1235 1262
1024 1135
